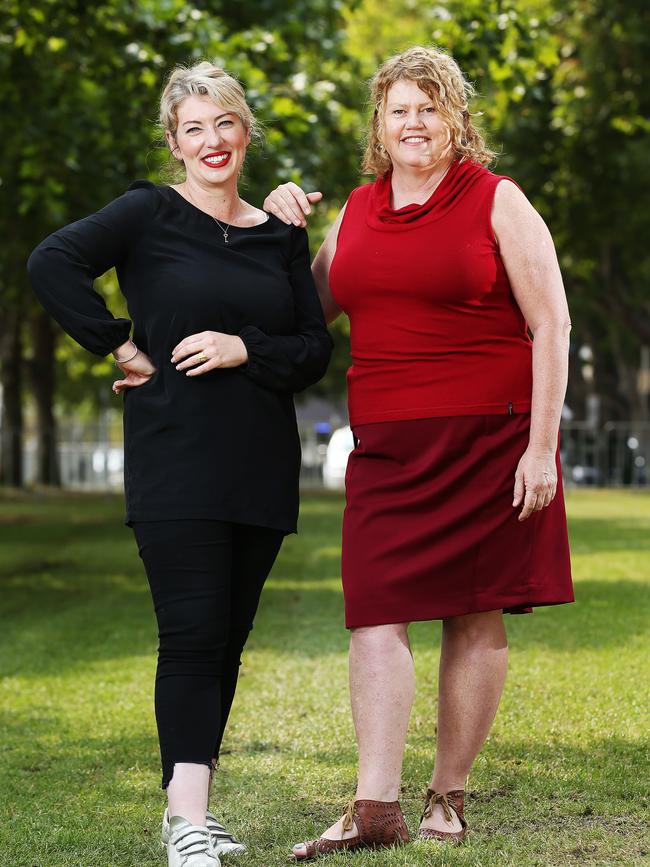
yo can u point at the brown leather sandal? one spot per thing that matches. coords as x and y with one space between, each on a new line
380 824
451 801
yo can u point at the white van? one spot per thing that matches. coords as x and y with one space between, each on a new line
336 458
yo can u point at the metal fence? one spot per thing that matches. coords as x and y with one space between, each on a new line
615 454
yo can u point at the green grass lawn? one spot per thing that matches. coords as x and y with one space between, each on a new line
561 780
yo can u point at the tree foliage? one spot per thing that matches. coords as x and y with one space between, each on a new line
81 86
562 90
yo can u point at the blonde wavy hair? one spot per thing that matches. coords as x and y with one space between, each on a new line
203 79
440 77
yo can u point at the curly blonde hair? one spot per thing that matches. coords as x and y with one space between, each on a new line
440 77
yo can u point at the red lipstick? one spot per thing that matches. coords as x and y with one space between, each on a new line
220 163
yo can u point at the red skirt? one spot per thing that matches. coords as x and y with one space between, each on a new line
429 530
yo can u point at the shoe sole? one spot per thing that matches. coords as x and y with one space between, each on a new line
223 854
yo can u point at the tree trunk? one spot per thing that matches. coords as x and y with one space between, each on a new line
11 423
42 376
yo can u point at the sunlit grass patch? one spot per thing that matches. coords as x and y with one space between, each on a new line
559 782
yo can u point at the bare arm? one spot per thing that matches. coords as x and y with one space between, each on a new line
530 260
321 269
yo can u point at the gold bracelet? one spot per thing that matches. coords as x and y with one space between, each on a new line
130 358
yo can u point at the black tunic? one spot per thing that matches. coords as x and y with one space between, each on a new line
223 445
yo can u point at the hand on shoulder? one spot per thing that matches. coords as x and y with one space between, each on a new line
290 203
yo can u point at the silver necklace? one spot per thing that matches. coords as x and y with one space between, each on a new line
225 231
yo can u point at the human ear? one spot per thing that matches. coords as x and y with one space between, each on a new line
173 145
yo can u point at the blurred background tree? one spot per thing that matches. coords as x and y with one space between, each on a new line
80 86
561 89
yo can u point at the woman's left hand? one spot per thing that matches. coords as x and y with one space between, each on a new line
208 350
535 482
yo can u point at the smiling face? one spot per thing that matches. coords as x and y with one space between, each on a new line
210 140
414 134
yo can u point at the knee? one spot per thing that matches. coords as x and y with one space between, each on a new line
485 629
235 647
380 640
186 639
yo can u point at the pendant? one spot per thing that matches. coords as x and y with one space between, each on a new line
225 237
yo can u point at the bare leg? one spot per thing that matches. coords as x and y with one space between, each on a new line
187 792
382 684
473 665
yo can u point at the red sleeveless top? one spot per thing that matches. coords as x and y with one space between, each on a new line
434 327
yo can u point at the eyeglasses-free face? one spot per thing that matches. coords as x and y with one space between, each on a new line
210 140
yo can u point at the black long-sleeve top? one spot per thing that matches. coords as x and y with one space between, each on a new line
223 445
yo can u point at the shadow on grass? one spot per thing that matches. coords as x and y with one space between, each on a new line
52 624
607 769
607 614
606 774
74 591
601 535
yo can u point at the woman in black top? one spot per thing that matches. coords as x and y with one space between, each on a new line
227 326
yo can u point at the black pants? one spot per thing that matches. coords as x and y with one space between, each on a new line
206 578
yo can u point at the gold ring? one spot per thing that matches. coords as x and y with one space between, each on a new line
201 358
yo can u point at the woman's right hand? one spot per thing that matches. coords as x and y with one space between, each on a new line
291 204
137 370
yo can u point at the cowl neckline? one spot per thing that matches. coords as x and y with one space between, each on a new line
453 187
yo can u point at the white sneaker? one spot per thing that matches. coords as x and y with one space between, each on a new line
223 842
189 845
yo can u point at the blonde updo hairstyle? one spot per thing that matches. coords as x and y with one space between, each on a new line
203 79
440 77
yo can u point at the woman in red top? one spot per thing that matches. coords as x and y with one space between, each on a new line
454 493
